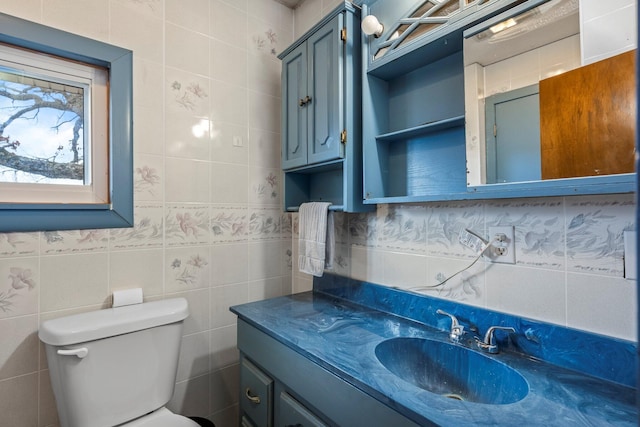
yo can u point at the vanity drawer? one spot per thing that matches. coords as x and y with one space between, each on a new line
292 413
256 394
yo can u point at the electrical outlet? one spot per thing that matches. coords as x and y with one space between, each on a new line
503 244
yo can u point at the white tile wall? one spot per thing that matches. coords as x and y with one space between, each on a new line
569 254
207 196
607 28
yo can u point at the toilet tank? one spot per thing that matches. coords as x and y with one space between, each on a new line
110 366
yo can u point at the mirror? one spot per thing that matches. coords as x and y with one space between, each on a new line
535 117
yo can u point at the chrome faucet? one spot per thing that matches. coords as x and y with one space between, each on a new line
489 344
457 330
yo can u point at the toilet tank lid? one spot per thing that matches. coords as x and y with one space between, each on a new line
95 325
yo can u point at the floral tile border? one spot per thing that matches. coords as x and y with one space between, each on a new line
19 244
264 224
186 225
539 228
229 224
74 241
445 220
147 231
403 228
595 230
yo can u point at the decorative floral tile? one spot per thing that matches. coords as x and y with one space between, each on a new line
341 260
186 92
595 227
264 224
265 41
445 220
147 181
74 241
539 229
19 286
287 256
443 282
19 244
286 225
295 225
341 227
187 268
265 186
363 229
186 225
404 228
146 232
229 224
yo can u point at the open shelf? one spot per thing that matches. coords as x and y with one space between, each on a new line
421 130
414 140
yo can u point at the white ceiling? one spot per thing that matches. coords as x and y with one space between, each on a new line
290 3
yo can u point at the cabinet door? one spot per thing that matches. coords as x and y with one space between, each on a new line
294 108
326 87
256 396
293 414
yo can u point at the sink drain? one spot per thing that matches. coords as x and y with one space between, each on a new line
453 396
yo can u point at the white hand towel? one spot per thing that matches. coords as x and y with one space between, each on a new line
316 243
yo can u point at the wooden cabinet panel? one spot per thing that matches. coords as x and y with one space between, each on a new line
588 119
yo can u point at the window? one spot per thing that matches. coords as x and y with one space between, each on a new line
65 130
53 129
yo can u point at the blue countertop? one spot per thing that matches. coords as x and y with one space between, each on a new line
341 336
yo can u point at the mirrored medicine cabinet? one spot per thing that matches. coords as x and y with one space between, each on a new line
538 122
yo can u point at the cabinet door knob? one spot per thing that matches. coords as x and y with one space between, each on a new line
304 101
249 395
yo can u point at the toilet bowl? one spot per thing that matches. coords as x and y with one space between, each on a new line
117 366
161 418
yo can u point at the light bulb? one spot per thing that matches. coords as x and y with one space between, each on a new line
371 26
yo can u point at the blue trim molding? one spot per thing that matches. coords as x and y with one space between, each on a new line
119 211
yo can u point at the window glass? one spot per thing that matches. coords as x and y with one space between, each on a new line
53 129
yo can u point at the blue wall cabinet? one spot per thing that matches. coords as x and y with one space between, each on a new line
312 98
321 114
413 100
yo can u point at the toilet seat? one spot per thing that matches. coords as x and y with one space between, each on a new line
161 418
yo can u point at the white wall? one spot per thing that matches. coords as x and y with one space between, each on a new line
607 28
208 218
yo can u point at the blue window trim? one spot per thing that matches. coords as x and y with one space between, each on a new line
119 213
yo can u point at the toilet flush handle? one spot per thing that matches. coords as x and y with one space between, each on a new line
80 352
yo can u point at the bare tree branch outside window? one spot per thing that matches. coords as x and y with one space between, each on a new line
41 130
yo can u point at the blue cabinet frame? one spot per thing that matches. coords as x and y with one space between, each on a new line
119 212
321 114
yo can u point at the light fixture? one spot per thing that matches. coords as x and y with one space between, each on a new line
503 25
371 26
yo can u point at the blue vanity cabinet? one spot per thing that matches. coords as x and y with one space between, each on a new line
305 393
256 403
321 114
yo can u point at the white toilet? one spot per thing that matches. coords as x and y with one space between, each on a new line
117 367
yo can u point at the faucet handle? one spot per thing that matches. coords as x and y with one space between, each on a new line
489 344
456 328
